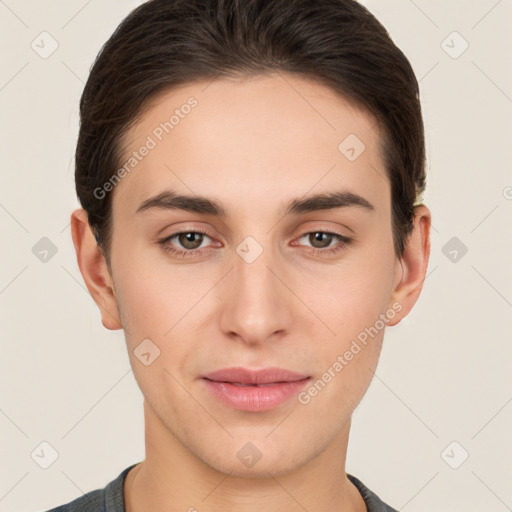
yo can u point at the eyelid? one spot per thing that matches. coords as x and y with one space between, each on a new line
301 234
325 231
186 230
342 243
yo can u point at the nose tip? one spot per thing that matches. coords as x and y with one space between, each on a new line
255 304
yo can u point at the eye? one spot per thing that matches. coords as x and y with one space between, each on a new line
321 241
191 242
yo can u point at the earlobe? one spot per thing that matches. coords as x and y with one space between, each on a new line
94 269
414 263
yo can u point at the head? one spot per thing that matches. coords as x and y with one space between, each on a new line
296 127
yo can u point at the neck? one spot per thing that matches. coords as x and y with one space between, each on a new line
171 477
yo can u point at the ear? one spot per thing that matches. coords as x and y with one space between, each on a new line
412 267
94 269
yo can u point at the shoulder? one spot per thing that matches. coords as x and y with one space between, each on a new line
93 500
372 501
108 499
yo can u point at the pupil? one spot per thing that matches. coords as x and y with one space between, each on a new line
319 237
189 240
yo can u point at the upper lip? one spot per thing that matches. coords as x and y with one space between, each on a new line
259 376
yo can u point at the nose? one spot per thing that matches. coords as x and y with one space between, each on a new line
257 304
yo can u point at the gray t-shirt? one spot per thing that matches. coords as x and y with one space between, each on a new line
111 499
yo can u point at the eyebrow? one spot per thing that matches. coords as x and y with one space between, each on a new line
169 200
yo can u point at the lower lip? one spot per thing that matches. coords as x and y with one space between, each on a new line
255 398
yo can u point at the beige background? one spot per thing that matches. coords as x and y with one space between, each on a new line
445 372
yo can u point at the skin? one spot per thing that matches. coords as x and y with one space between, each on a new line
253 144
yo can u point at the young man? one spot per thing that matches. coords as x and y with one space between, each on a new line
249 172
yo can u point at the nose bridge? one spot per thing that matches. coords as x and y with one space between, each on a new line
251 273
255 306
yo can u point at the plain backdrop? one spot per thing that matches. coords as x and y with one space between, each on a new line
433 431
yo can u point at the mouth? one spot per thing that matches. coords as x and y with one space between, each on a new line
241 384
254 390
248 377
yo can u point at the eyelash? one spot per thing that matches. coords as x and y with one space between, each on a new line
343 242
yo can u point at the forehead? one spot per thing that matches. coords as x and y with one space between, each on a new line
252 139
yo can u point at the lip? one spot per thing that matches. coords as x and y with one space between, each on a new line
254 390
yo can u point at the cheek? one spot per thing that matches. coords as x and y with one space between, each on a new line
154 310
350 300
158 299
153 296
350 296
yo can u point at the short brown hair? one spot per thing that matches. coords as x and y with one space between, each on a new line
165 43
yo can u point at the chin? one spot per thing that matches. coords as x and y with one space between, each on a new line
260 470
255 459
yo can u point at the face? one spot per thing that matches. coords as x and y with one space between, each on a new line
263 274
